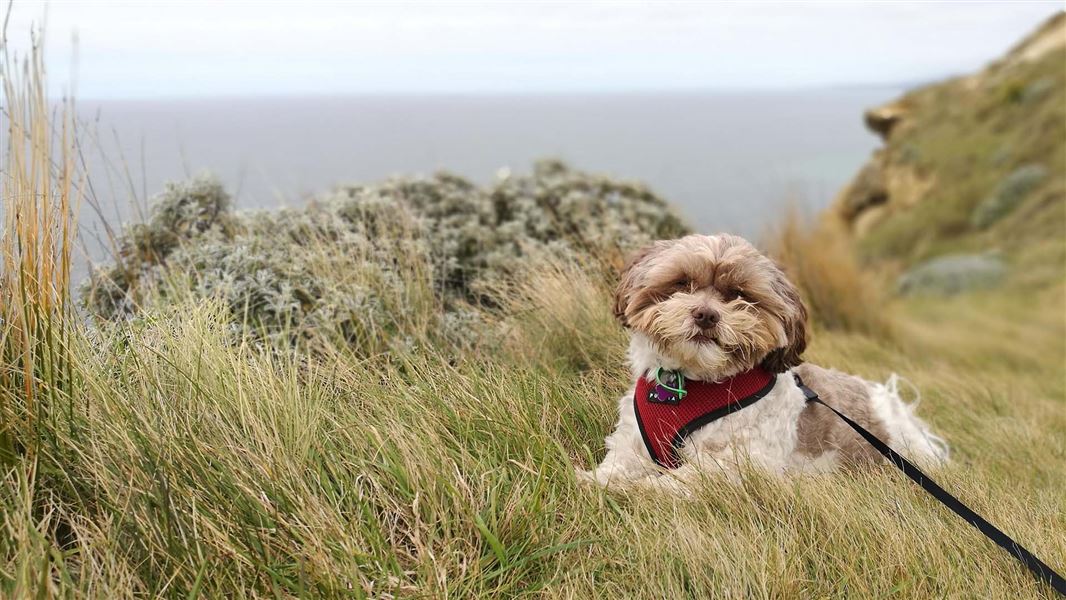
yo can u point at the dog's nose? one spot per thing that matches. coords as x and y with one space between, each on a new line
706 318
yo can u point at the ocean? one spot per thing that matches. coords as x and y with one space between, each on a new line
728 161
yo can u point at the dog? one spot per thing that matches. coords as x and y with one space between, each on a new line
714 321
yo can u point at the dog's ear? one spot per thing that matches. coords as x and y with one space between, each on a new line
794 319
630 278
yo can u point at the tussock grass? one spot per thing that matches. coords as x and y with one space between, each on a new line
817 255
204 465
558 315
40 189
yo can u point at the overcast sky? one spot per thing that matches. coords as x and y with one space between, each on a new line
153 49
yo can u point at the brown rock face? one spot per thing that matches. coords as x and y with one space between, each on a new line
865 191
884 119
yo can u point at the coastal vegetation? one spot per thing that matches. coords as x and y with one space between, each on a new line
385 394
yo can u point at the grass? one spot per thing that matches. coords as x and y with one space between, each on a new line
181 454
817 255
198 466
40 189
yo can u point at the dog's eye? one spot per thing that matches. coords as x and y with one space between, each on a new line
681 283
732 294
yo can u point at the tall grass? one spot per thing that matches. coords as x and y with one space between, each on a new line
205 466
818 256
40 189
555 315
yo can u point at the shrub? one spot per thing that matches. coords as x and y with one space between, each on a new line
373 265
1008 194
953 274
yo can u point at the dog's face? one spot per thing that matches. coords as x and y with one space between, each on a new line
714 304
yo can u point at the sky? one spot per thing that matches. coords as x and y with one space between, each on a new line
203 49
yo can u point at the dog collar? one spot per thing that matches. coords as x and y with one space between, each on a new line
670 407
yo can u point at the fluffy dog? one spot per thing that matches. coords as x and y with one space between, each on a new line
714 309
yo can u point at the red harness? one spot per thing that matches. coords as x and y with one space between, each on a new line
667 413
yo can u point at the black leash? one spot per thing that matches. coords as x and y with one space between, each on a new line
1039 569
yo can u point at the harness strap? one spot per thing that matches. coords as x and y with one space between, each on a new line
1037 567
670 409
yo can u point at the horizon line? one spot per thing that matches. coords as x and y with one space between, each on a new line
532 93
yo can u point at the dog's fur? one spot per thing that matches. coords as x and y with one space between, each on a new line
712 307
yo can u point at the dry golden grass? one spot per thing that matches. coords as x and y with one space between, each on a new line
40 190
200 466
818 256
556 316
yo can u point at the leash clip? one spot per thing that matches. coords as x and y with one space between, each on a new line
809 395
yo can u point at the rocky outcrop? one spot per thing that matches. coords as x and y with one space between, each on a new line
883 119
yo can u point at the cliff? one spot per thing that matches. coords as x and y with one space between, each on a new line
975 164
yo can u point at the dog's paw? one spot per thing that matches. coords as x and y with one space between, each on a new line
585 477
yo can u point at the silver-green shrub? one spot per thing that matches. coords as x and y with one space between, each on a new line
1010 192
372 265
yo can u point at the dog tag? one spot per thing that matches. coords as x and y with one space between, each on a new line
669 388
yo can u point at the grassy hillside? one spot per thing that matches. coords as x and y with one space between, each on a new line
193 464
972 164
323 404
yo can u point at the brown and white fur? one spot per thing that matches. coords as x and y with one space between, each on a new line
712 307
